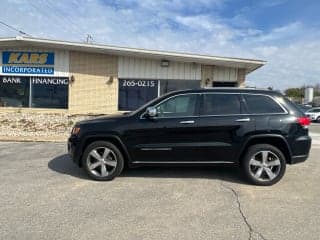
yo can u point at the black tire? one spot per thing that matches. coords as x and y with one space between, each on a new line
118 157
248 169
318 120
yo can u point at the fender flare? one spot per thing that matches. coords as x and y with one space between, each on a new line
252 137
107 136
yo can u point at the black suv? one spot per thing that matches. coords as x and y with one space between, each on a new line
259 130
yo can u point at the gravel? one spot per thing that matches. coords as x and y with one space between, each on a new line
37 126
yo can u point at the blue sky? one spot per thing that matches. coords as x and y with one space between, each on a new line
285 33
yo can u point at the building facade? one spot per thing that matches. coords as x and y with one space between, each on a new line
79 78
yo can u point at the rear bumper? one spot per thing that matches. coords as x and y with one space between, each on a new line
298 159
300 149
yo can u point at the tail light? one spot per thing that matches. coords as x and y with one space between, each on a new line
304 121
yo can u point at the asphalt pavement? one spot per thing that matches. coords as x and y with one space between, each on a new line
44 196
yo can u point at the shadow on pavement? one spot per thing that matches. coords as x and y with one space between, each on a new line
224 173
64 165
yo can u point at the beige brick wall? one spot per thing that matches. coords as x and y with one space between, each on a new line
92 90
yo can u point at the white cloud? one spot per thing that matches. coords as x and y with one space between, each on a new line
292 50
294 65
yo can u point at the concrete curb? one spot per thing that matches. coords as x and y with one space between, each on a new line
33 139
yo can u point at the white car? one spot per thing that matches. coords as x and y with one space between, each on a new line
314 114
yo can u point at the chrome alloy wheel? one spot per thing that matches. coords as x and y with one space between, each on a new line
101 161
264 166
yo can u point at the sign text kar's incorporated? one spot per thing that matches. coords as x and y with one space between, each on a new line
28 62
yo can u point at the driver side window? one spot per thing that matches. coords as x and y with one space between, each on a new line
178 106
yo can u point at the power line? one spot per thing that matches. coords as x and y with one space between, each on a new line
89 39
15 29
67 18
60 19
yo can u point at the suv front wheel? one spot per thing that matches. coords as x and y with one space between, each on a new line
264 164
102 161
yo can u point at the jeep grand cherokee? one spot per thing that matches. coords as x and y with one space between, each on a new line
259 130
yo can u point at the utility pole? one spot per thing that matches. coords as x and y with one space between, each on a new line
89 38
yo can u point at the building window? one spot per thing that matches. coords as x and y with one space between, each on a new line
224 84
173 85
49 92
14 91
37 92
133 93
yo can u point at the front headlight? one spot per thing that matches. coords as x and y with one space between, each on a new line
75 130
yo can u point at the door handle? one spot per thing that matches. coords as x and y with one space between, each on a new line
187 122
243 120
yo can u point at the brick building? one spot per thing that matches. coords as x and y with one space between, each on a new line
79 78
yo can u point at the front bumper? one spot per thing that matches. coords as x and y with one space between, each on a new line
74 150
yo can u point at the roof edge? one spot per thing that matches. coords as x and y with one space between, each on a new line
137 50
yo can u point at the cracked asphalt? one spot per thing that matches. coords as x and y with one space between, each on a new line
44 196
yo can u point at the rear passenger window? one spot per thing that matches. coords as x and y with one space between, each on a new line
221 104
262 104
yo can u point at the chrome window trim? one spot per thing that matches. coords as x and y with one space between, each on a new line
285 111
243 114
167 99
246 114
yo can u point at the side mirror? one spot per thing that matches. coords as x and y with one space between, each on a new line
151 112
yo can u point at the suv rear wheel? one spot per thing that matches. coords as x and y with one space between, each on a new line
102 161
264 164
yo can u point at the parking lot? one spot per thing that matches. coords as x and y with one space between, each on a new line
45 196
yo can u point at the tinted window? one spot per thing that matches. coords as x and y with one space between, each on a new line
173 85
49 92
179 106
221 104
134 93
14 91
262 104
